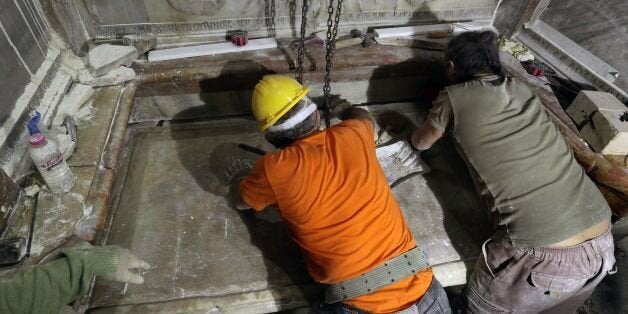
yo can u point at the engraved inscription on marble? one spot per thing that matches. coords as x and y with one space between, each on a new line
371 18
565 64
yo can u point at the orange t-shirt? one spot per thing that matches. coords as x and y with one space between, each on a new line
336 202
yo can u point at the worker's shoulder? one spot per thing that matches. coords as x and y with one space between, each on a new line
490 80
292 153
359 124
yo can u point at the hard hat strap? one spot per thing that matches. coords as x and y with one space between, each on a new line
294 120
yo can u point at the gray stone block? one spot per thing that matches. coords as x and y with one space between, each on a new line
105 58
607 132
141 44
588 102
115 77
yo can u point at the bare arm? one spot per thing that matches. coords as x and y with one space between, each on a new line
425 136
356 113
236 196
359 113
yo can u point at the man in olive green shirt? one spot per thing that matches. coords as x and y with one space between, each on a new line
47 288
552 244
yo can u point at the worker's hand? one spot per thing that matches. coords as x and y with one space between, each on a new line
238 168
127 262
337 106
108 262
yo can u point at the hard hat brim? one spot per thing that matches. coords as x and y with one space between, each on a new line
264 125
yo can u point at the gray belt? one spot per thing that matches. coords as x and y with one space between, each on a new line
393 270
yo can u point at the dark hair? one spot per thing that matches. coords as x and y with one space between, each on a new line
474 53
281 139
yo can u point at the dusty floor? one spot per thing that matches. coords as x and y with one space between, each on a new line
172 212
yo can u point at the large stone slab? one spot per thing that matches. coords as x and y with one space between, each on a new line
23 39
173 213
13 85
93 129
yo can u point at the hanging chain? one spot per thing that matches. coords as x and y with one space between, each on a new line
330 46
269 8
298 71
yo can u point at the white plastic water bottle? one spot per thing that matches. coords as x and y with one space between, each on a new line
50 164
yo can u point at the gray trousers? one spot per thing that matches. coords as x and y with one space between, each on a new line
434 301
538 280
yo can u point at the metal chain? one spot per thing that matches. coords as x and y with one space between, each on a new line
330 46
269 10
298 72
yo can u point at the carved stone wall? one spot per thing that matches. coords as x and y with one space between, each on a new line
189 18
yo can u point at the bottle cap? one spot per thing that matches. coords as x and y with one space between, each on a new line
32 124
37 139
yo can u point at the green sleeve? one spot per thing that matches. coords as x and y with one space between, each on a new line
441 113
47 288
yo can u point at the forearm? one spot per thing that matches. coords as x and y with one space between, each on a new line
359 113
46 288
425 136
356 113
236 196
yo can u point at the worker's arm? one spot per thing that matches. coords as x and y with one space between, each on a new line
235 173
235 195
356 113
249 186
425 136
47 288
345 111
435 123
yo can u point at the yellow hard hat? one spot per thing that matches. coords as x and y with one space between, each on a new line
273 96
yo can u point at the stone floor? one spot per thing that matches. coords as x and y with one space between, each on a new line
172 212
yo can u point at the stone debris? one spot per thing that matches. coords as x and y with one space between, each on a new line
71 64
141 44
31 190
53 96
72 102
65 143
105 58
516 49
115 77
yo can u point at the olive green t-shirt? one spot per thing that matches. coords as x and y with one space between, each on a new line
539 194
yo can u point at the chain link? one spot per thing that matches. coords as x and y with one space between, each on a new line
269 10
330 46
298 71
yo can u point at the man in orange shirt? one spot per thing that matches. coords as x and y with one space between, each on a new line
333 195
